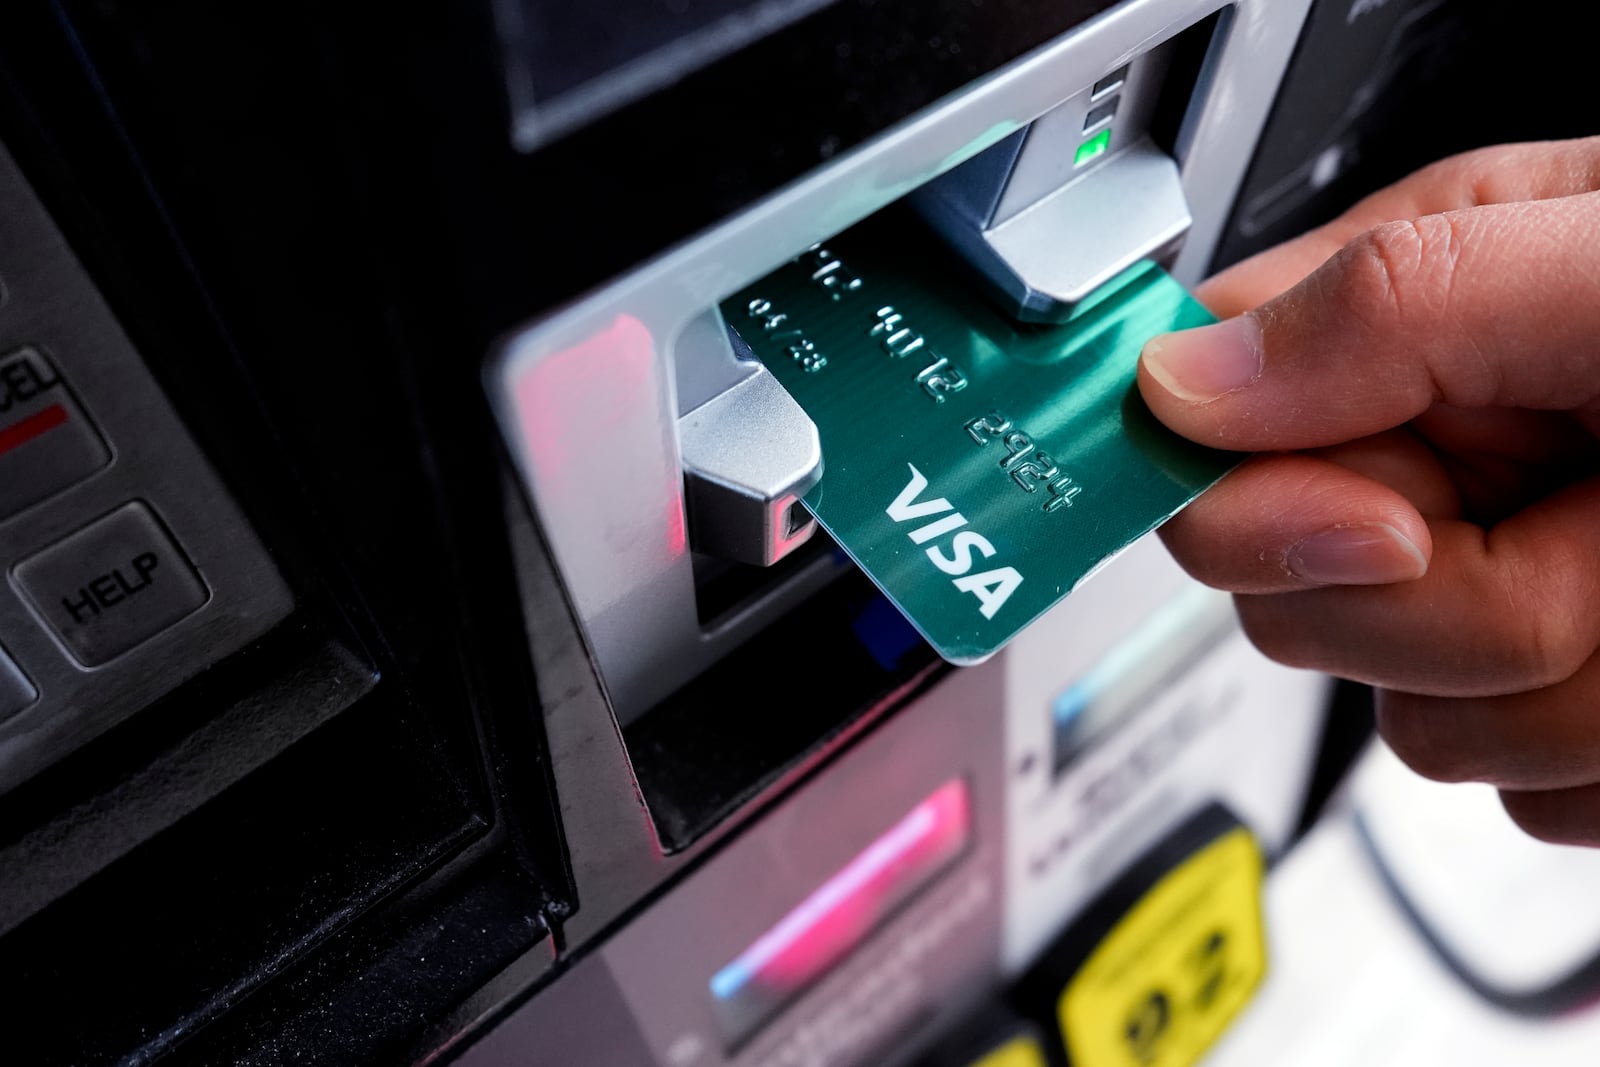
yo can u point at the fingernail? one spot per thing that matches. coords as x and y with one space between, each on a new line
1208 361
1367 553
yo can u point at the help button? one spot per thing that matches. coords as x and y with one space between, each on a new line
112 585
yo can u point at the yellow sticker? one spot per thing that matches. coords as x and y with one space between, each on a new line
1018 1052
1176 969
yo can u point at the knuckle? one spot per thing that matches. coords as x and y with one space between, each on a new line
1484 175
1407 285
1382 267
1411 264
1552 650
1552 640
1423 739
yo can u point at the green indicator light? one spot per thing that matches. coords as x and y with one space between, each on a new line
1092 148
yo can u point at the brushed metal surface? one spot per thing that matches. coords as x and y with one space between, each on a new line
51 303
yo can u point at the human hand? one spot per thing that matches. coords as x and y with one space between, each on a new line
1426 516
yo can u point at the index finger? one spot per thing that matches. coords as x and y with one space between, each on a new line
1491 306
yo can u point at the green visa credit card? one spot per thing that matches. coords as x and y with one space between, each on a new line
976 467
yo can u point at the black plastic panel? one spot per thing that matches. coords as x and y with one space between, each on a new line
790 695
161 935
569 63
261 862
676 162
1377 90
569 44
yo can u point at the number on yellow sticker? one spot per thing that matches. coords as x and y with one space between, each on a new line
1169 977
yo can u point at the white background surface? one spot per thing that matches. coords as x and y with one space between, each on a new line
1351 984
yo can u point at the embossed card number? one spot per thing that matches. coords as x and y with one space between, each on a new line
976 468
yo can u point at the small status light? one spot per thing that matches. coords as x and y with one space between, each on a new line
1093 148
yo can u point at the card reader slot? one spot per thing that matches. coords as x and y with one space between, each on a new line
800 687
749 563
1093 186
724 589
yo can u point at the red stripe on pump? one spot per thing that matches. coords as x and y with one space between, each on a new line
40 422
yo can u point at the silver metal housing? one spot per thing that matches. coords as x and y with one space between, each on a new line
609 361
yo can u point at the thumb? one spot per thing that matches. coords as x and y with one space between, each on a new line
1486 306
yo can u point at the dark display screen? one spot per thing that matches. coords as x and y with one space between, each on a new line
569 62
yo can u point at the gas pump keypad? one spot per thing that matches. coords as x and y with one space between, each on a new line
112 585
125 565
46 440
